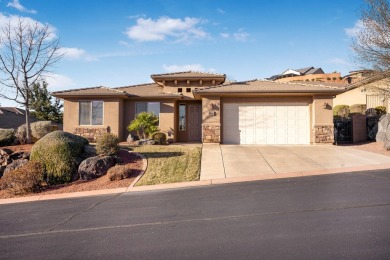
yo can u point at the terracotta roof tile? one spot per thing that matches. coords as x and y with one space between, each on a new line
265 86
94 91
146 90
184 74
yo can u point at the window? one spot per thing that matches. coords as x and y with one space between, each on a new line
182 117
91 113
180 90
188 90
150 107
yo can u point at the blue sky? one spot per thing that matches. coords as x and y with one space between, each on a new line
118 42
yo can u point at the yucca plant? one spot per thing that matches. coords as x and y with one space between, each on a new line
144 124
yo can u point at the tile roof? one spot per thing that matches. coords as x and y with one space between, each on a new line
265 86
142 90
94 91
146 90
12 117
184 74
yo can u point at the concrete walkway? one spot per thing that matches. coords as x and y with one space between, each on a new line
232 161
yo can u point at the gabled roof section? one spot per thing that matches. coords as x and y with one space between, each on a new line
303 71
146 90
93 92
189 75
376 76
266 87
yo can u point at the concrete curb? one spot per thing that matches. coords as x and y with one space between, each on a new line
144 168
200 183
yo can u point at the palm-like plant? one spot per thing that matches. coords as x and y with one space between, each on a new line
144 124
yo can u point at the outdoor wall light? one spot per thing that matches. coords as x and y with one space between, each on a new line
325 105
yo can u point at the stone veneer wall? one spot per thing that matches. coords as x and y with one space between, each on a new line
91 134
211 133
323 134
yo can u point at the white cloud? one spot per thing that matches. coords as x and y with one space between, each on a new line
164 27
187 67
136 16
224 35
59 81
15 4
14 20
72 53
241 35
221 11
352 32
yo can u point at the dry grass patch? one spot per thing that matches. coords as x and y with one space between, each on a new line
168 164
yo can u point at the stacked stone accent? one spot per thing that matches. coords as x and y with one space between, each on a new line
91 134
324 134
211 133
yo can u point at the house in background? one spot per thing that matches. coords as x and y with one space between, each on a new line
12 117
201 107
306 75
367 88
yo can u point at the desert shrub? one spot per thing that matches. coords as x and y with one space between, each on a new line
144 124
119 172
58 152
380 110
7 136
21 134
341 111
40 129
159 138
23 180
358 109
107 144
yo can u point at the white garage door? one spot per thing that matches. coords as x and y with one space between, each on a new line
265 124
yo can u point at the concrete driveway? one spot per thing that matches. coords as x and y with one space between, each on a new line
230 161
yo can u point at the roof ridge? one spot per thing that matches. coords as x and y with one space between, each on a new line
301 84
77 89
188 71
137 85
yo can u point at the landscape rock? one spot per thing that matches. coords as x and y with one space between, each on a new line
5 151
88 151
15 165
94 167
383 134
145 142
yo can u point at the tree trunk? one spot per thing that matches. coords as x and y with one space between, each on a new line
28 128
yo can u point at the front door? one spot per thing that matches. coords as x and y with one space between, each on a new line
194 122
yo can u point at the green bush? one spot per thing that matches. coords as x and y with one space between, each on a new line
119 172
358 109
40 129
159 138
380 110
107 144
144 124
58 152
7 136
341 111
23 180
21 134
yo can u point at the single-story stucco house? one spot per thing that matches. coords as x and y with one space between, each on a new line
372 91
202 107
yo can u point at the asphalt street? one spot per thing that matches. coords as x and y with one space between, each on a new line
339 216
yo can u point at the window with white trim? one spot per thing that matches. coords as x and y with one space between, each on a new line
91 112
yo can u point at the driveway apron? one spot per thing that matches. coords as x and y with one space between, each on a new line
230 161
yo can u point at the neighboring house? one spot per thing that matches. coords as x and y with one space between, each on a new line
307 74
371 90
12 117
199 107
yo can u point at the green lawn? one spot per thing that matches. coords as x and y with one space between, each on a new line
168 164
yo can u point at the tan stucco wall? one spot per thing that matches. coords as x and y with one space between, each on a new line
166 116
316 77
171 87
352 97
322 115
211 110
112 114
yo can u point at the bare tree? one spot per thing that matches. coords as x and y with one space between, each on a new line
27 52
372 42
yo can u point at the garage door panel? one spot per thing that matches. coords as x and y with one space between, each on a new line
265 124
